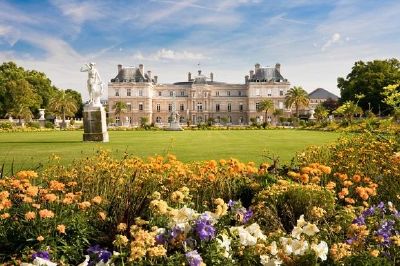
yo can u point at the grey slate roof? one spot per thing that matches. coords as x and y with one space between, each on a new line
321 93
265 74
130 74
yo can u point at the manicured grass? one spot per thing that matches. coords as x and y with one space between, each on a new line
31 149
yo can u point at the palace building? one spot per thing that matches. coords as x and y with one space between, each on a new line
198 99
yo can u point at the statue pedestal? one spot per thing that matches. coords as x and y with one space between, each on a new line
174 126
94 123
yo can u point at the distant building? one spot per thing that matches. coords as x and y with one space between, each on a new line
197 99
319 96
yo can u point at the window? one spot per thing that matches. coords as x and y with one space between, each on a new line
171 93
280 105
229 119
158 107
117 120
240 93
182 93
170 107
217 107
181 119
116 92
182 107
257 92
159 93
280 92
158 119
217 93
258 106
128 92
229 107
269 93
129 107
228 93
130 120
241 107
241 120
140 106
199 107
140 92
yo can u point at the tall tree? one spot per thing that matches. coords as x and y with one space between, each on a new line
78 100
119 108
298 97
20 99
369 79
330 105
266 105
63 104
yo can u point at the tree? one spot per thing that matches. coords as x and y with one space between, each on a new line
78 100
298 97
119 108
320 112
63 104
266 105
19 99
143 121
276 114
369 79
348 110
330 105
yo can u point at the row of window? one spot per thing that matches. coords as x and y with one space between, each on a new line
171 93
269 92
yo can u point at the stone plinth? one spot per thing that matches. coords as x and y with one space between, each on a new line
174 126
94 123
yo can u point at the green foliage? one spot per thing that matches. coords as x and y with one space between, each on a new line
298 97
63 104
266 105
348 110
369 78
6 125
321 113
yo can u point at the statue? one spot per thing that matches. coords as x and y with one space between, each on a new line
94 84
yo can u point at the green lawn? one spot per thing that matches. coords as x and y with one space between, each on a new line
30 149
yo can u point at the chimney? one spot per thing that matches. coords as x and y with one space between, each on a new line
278 67
141 68
212 77
246 79
189 76
119 68
155 79
149 75
251 74
256 67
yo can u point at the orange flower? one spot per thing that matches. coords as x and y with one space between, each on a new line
347 183
30 216
350 200
40 238
72 184
331 185
37 206
103 216
84 205
55 185
26 174
50 197
97 200
46 214
121 227
61 228
304 178
5 215
211 177
32 191
356 178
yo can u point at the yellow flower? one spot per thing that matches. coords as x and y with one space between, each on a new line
317 212
61 228
120 241
122 227
156 251
374 253
177 197
40 238
30 216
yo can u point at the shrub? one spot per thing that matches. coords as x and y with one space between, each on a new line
6 125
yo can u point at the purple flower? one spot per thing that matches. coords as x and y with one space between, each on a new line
381 206
368 212
194 258
204 229
176 231
231 203
160 239
247 216
97 253
41 254
360 220
385 232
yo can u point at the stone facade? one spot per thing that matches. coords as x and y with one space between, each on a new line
198 99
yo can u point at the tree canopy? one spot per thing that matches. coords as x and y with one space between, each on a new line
298 97
26 90
369 79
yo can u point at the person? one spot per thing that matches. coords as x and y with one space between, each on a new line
93 82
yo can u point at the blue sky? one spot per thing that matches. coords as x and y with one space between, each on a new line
315 41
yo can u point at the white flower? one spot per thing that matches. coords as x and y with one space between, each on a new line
246 239
321 250
299 247
287 245
254 229
301 222
85 263
225 243
264 260
310 229
296 232
274 248
184 215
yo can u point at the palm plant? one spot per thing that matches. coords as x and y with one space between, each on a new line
298 97
266 105
276 114
119 108
63 104
320 112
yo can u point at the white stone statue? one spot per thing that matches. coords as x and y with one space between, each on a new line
94 84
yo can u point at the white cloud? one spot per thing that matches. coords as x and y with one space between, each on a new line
334 39
9 34
169 55
79 12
